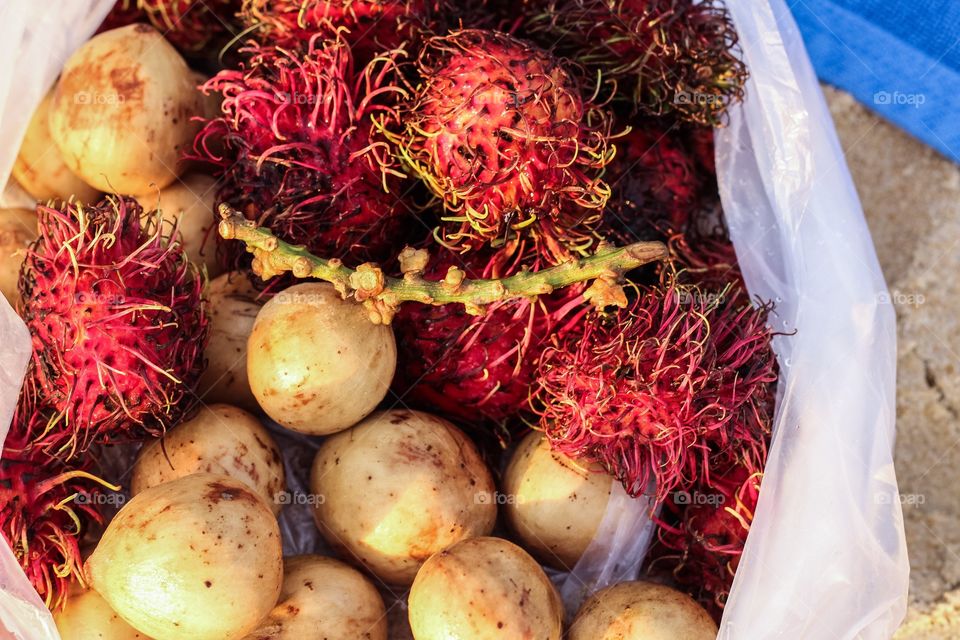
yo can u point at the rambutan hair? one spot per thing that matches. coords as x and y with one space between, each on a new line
702 534
656 185
295 151
369 26
479 368
116 315
669 56
190 25
661 391
45 509
502 134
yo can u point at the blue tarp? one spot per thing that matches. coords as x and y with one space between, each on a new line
901 58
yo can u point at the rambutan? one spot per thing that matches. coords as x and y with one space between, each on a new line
367 25
705 256
702 534
669 56
45 508
500 132
190 25
655 184
478 367
679 380
117 320
294 152
700 144
508 16
122 13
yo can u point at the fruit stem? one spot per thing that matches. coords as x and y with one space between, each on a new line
382 295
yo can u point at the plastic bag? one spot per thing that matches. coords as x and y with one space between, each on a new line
826 557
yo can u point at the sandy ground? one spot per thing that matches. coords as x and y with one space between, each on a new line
911 197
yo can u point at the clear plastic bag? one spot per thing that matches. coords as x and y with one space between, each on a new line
826 558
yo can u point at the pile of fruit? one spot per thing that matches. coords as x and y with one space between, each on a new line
473 256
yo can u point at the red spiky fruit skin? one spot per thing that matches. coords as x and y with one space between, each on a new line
675 57
508 16
117 321
478 368
45 508
500 132
701 146
703 532
190 25
664 390
368 26
124 12
656 185
294 152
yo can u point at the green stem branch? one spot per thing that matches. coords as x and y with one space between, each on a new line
382 295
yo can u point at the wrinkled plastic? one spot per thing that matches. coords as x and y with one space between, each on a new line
616 552
826 558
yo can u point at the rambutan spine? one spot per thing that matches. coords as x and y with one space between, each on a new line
369 26
45 508
702 534
116 315
656 185
671 57
502 135
479 368
679 381
190 25
295 150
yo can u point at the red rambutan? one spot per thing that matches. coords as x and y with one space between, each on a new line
368 26
700 143
678 381
668 56
45 508
116 316
190 25
294 148
706 257
655 185
500 132
478 367
702 534
124 12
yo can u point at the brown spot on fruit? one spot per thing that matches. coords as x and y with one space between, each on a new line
127 84
400 417
218 491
